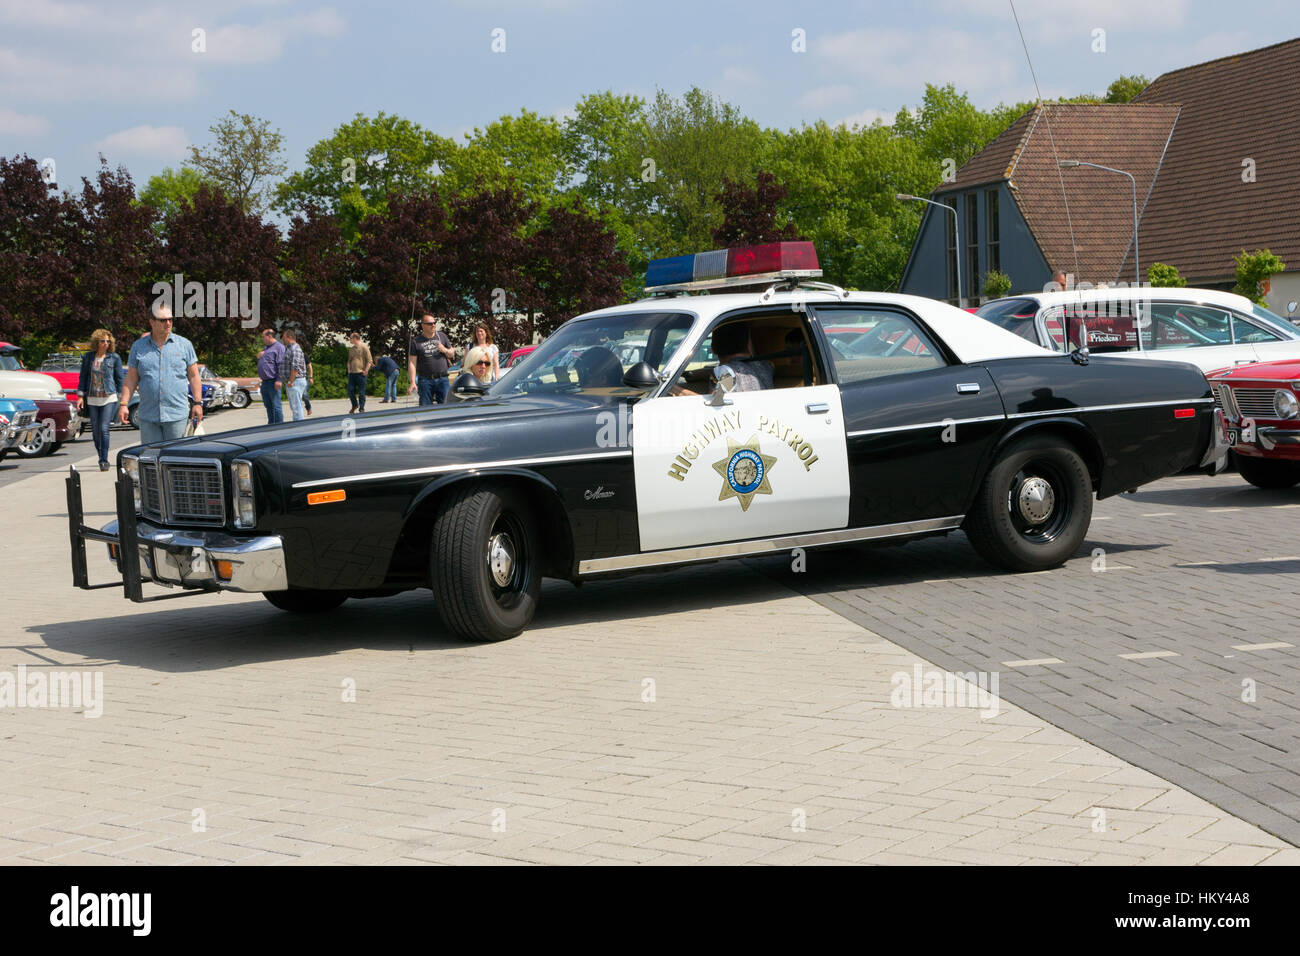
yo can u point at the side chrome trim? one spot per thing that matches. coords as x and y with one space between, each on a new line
459 466
736 549
1111 408
940 424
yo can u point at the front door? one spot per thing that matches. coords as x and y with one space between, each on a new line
763 464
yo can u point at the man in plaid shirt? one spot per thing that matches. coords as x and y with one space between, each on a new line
296 363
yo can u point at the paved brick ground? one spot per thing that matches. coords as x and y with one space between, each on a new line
767 733
1195 608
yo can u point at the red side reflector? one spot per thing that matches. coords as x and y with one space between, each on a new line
1184 412
325 497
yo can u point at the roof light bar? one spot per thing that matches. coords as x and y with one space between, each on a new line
743 265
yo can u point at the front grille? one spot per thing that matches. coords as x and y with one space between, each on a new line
1255 402
150 503
25 418
195 493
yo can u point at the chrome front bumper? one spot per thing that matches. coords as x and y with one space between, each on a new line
13 435
188 558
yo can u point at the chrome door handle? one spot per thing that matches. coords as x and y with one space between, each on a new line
817 408
968 388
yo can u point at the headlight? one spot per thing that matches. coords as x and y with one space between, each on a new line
1285 404
245 503
131 467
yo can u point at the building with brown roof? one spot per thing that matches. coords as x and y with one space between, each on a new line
1185 140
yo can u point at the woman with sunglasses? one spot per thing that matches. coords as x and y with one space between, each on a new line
479 363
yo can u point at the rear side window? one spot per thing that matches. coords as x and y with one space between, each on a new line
1014 315
872 343
1179 325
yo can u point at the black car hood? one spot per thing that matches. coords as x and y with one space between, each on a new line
482 410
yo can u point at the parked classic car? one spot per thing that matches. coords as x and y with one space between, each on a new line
65 367
57 413
19 423
586 468
1262 405
1205 327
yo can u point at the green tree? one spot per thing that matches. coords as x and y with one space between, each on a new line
597 142
243 160
1254 268
167 191
947 126
1125 88
362 164
525 152
1164 276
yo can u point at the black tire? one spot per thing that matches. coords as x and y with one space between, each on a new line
1033 507
1269 473
305 600
133 417
57 445
475 599
241 399
40 446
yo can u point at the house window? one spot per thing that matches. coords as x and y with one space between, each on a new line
950 243
992 251
972 247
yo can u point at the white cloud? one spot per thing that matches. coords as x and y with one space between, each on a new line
826 96
866 118
160 142
901 58
265 42
13 123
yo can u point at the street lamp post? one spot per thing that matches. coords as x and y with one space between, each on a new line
956 234
1137 267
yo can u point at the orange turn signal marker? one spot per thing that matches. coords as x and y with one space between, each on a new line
325 497
1184 412
225 570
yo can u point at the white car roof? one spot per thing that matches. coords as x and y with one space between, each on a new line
970 338
1191 296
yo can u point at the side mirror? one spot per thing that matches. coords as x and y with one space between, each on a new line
641 375
1291 307
724 380
468 384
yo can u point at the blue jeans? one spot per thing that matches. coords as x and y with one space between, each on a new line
390 386
101 417
433 389
271 399
357 390
153 432
297 389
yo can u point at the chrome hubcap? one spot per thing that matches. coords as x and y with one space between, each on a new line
1036 500
501 559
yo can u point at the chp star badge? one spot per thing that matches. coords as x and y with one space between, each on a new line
744 472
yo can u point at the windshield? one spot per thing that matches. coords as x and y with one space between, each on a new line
589 356
9 363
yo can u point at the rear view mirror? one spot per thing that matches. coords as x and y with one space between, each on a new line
641 375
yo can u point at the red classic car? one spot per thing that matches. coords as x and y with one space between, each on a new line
1261 403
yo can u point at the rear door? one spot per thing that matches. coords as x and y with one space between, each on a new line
918 426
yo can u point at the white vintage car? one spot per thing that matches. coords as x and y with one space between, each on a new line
1205 327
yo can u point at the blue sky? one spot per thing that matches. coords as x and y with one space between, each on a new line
80 78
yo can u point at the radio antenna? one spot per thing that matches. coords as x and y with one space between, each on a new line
415 290
1051 139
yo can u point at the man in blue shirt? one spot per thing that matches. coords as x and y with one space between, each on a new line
165 370
269 365
390 370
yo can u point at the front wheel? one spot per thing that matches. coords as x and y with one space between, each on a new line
1268 472
133 416
1034 506
305 600
42 444
240 399
484 563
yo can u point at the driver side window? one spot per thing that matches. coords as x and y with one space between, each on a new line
873 343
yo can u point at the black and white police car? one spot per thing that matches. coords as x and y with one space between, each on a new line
626 442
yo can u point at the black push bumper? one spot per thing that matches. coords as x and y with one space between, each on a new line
197 561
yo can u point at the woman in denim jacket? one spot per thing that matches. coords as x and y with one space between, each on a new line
100 383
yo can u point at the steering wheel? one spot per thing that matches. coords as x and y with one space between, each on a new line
598 367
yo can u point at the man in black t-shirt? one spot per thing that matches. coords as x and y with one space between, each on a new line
431 353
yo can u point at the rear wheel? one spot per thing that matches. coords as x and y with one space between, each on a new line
240 399
1034 506
1268 472
305 600
484 563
